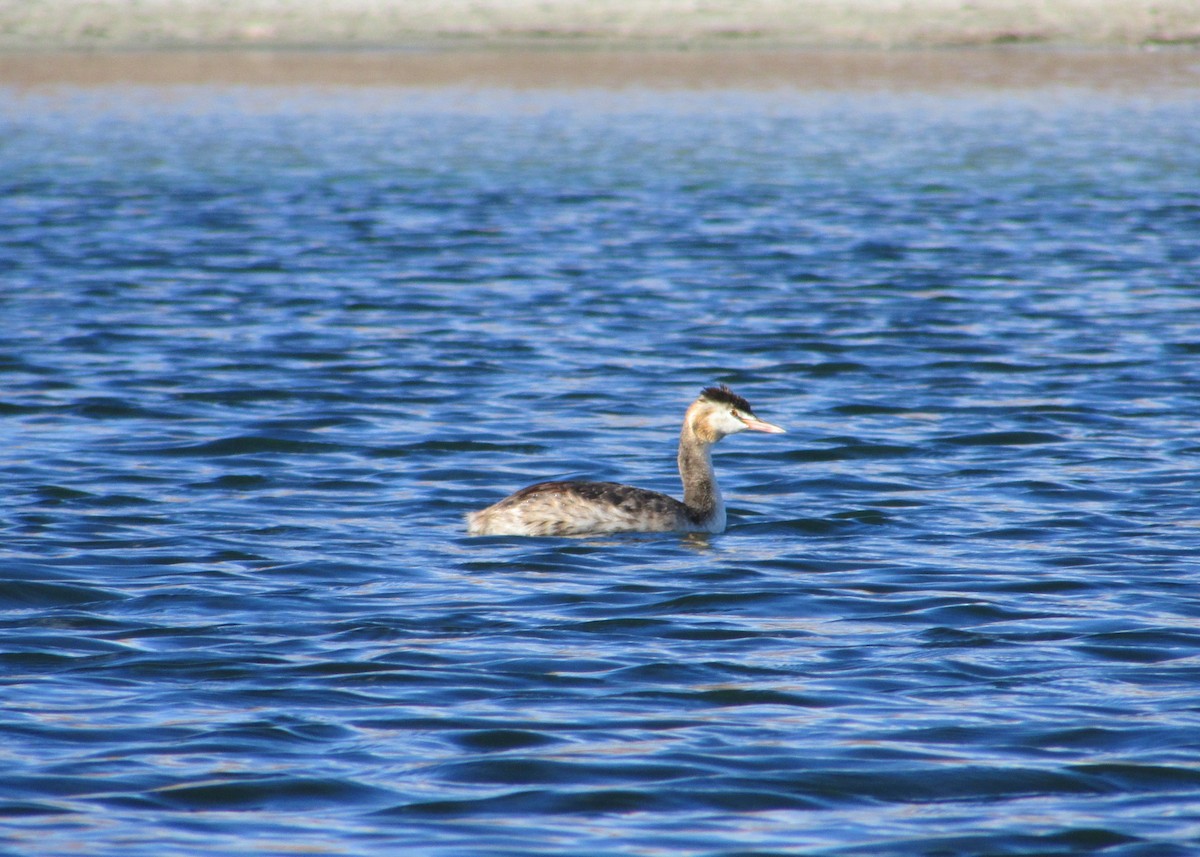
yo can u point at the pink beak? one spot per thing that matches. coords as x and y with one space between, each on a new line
755 424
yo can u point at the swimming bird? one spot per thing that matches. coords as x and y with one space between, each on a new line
580 508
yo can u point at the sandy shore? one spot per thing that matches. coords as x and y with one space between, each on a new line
125 24
820 44
1118 70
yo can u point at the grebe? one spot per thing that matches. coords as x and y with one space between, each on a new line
577 508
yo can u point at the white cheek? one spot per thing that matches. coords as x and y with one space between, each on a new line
731 424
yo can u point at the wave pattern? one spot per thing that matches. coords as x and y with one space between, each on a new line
263 349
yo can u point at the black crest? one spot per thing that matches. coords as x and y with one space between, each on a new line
725 396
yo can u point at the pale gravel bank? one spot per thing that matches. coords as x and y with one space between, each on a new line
124 24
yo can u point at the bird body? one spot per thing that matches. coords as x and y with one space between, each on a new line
579 508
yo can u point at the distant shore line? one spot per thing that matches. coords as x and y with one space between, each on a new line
564 24
1111 70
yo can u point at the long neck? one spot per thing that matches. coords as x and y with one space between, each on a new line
700 492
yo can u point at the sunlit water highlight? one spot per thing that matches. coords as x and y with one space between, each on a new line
262 349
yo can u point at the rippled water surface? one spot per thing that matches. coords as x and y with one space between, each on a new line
263 348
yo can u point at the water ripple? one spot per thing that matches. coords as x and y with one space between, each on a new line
262 351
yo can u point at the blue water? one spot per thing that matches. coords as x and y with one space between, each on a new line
263 348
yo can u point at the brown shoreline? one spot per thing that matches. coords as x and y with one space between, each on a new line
550 68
